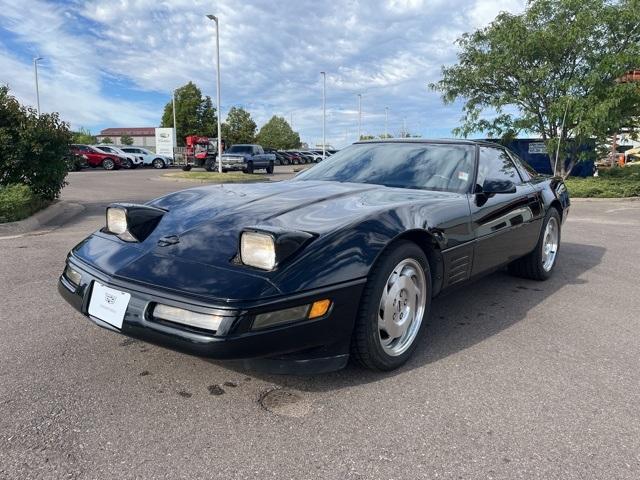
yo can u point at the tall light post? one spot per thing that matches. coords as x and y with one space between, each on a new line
175 129
324 112
215 19
359 116
386 122
35 69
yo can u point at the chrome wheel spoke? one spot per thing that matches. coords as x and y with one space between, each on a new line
401 307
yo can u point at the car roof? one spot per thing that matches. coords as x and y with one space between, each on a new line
453 141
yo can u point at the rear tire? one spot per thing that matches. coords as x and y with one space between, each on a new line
186 168
394 307
270 168
540 263
108 164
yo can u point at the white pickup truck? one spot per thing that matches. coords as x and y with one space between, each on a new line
247 158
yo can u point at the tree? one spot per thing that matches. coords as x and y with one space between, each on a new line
367 137
84 137
195 114
552 71
106 140
33 148
239 127
277 134
126 140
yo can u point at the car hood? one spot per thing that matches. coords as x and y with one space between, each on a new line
208 220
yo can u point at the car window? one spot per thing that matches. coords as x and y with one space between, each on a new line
106 149
442 167
495 163
527 171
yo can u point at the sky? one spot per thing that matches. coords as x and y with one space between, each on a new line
114 63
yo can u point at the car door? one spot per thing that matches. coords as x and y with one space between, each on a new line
504 223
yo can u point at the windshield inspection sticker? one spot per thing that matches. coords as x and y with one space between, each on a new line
464 176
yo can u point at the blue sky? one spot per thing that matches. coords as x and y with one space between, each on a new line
113 63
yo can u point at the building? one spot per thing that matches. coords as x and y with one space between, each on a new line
142 136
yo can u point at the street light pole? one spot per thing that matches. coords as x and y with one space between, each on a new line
215 19
175 129
359 116
324 113
386 122
35 69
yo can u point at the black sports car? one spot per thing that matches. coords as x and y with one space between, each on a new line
342 260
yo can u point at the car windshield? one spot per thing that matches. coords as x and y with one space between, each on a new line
240 149
442 167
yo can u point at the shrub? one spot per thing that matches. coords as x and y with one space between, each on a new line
18 202
32 148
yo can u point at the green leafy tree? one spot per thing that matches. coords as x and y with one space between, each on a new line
195 114
239 127
106 140
277 134
84 137
552 71
367 137
385 135
33 148
126 140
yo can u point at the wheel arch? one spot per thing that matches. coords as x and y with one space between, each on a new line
429 246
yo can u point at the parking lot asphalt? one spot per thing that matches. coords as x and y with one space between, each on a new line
512 379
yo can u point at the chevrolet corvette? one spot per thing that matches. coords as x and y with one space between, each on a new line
340 262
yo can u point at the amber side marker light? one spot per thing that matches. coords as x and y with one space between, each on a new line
319 308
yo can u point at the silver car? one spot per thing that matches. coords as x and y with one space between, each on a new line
149 157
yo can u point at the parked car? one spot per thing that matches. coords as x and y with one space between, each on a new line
247 158
307 157
98 158
281 158
148 157
294 157
130 160
342 260
76 160
315 156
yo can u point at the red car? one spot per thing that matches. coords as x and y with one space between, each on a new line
96 158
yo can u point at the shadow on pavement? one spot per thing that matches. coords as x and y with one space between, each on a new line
459 320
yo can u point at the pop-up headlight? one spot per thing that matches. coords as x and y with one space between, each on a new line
132 223
266 249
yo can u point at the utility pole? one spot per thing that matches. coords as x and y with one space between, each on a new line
386 122
175 130
324 113
215 19
35 69
359 116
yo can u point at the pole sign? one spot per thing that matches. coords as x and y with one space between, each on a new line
165 141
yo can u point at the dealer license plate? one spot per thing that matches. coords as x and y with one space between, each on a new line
108 304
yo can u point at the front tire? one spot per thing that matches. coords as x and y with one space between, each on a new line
249 167
157 163
395 304
540 263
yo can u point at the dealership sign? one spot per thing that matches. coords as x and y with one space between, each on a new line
537 148
165 141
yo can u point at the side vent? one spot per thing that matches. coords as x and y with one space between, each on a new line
458 269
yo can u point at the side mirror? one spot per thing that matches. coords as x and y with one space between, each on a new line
493 186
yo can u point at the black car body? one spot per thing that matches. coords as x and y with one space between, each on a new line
330 238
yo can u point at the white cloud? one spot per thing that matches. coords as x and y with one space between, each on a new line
271 55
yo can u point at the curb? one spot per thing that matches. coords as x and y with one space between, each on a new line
596 200
58 211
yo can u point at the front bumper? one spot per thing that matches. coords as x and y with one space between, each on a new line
326 337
